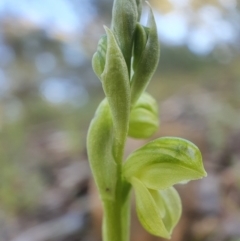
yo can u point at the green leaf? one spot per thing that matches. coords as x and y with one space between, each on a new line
99 58
99 146
148 61
149 214
165 162
124 20
144 120
116 86
170 206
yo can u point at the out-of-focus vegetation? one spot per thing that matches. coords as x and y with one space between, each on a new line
48 94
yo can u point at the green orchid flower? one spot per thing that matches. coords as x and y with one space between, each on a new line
152 170
125 61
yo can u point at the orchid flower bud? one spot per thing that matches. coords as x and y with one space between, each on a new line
146 56
99 58
125 15
144 121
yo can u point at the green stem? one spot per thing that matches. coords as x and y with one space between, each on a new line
117 213
126 210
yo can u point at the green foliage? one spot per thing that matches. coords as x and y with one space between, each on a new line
22 181
17 193
128 110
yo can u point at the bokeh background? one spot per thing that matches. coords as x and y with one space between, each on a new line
48 95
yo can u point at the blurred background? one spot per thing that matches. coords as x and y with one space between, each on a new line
48 95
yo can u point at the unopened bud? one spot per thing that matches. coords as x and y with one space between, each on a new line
146 58
144 118
124 19
99 58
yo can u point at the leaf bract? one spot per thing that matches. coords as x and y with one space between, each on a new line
99 146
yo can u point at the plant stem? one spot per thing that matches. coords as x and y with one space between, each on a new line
117 213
